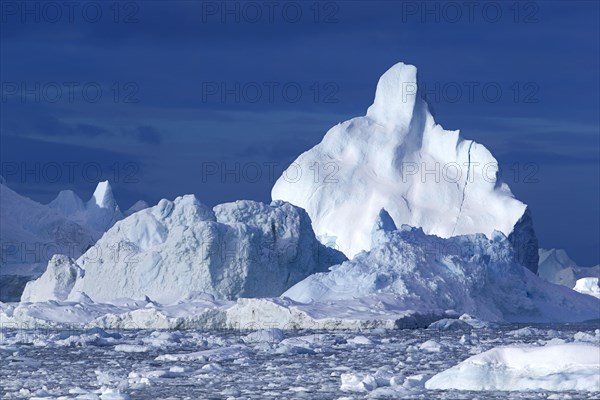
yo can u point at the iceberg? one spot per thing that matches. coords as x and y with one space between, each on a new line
556 266
98 214
398 158
176 248
553 367
410 270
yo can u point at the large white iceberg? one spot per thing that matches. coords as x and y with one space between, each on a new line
410 270
176 248
553 367
398 158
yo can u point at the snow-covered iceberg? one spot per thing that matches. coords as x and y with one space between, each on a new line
98 214
410 270
30 234
553 367
407 280
398 158
56 282
176 248
556 266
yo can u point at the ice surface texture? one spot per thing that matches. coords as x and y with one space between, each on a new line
410 270
176 248
553 367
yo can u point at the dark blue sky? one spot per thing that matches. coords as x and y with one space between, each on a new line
157 96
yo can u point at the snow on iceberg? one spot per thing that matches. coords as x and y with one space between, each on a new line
398 158
56 282
558 367
468 274
589 286
176 248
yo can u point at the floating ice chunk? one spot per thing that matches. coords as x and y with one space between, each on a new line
586 337
385 376
527 331
91 331
272 335
415 381
447 324
477 323
431 346
132 348
113 394
299 345
358 382
560 367
361 340
218 354
211 368
162 339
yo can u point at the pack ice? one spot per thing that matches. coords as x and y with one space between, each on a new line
398 158
31 233
177 248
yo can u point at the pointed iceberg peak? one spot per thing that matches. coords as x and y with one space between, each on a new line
394 158
102 208
103 196
383 224
67 202
395 96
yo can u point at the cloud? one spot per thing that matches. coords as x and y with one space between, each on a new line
90 130
143 134
40 169
48 125
550 141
